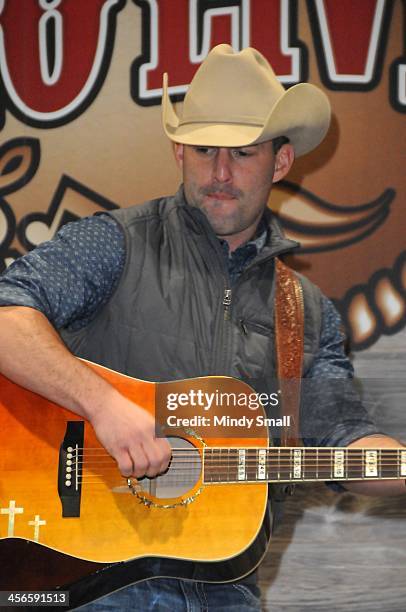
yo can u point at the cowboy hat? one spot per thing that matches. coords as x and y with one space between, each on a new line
235 100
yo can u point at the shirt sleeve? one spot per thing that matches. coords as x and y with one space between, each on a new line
71 276
331 360
332 413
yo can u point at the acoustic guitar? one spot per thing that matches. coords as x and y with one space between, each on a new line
69 520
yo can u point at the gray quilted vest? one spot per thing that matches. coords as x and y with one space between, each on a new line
174 315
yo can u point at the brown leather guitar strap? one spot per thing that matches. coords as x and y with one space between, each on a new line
289 330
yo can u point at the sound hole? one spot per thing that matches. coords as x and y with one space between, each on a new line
183 473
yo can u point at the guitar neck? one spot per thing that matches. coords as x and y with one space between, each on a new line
283 464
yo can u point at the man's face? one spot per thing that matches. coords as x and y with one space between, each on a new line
230 185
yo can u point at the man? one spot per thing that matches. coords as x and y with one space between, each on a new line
180 287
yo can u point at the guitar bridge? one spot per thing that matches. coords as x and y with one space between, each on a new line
70 469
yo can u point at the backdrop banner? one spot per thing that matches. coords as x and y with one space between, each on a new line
81 85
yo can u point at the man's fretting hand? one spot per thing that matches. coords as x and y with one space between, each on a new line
127 432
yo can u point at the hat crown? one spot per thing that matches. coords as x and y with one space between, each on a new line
227 83
235 100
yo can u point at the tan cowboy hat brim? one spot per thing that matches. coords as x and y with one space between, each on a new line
302 114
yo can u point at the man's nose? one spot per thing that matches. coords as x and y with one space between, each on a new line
222 170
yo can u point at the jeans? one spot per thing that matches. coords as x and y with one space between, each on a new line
172 595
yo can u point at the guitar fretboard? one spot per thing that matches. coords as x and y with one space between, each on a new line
301 464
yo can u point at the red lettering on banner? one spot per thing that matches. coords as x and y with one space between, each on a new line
41 93
264 24
270 32
350 38
178 21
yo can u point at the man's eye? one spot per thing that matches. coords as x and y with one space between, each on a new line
241 153
204 150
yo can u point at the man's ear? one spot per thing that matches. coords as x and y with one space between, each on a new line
283 162
178 150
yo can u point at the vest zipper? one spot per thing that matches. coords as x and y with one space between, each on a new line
223 347
215 260
227 303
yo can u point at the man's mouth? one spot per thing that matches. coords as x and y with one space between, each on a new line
220 195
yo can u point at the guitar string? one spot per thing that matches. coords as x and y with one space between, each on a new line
387 469
222 471
281 467
190 463
192 479
220 466
229 458
251 460
319 468
181 479
216 455
225 476
228 466
229 462
325 449
271 450
391 460
209 452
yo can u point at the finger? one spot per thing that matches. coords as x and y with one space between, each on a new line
140 461
125 463
166 453
156 458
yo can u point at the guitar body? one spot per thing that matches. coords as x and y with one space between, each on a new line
205 528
